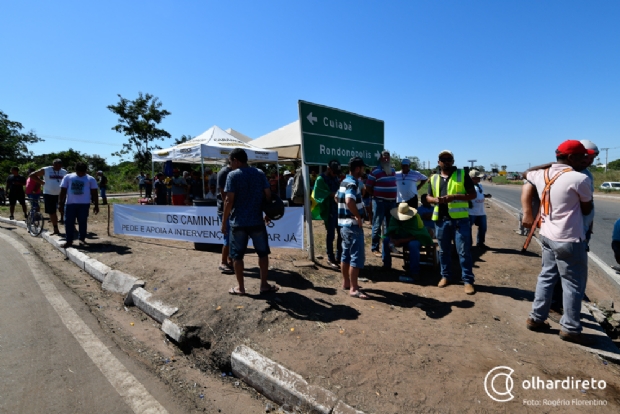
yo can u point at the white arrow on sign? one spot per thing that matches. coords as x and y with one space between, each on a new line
311 119
377 154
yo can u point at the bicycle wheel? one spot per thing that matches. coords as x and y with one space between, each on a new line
35 223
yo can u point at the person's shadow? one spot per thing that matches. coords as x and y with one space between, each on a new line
434 308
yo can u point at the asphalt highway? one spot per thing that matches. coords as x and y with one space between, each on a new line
607 211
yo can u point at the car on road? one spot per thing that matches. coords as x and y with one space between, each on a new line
610 185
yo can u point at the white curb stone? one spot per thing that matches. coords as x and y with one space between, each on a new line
53 240
77 257
119 282
280 384
342 408
96 269
152 307
173 330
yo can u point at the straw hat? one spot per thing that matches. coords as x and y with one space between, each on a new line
403 212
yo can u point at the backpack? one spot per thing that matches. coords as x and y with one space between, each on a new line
298 188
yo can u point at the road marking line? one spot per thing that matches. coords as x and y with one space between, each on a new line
128 387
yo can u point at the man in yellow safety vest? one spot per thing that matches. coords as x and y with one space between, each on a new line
450 191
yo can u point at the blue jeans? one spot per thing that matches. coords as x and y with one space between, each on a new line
568 263
332 229
481 222
239 241
414 256
353 246
380 211
458 230
103 192
73 211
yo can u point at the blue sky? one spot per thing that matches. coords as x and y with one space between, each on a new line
498 81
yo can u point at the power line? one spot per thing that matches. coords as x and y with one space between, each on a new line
78 140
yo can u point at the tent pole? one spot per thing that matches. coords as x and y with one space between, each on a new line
308 213
278 175
202 162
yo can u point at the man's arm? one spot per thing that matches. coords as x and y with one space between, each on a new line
527 195
538 167
586 207
61 201
422 183
95 200
36 175
350 202
228 203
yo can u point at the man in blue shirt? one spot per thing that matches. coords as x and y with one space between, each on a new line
350 208
246 189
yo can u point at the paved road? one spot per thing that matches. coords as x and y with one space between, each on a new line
53 356
607 212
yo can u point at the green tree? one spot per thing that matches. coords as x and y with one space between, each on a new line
184 138
480 167
139 120
13 142
614 165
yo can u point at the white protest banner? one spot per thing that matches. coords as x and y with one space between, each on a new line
199 224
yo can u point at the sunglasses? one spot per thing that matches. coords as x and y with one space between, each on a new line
446 159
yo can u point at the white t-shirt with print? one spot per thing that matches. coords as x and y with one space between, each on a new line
52 180
78 188
478 203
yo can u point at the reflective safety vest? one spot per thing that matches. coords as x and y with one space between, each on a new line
456 185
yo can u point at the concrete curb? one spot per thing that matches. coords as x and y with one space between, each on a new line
283 385
266 376
153 307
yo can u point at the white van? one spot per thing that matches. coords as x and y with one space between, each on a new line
610 185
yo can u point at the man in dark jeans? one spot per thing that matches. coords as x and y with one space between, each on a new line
246 188
15 186
325 188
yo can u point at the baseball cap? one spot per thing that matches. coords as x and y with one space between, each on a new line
334 165
475 174
405 161
56 161
446 152
590 146
571 146
287 172
356 162
99 172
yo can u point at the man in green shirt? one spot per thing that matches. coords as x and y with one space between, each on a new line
406 228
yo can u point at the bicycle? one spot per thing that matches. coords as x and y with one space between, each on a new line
34 220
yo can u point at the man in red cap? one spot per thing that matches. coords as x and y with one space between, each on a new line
565 198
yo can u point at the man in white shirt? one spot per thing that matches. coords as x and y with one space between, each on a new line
408 182
52 177
78 190
477 215
563 237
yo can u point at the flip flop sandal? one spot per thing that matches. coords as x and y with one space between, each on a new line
359 295
234 291
272 289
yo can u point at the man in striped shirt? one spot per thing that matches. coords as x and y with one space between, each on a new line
350 210
381 184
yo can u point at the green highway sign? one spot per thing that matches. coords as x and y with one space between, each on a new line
330 133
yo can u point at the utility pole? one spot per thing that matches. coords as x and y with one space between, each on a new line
472 163
606 152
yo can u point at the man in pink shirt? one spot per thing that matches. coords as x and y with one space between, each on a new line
563 238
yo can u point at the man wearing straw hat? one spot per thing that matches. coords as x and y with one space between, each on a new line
406 229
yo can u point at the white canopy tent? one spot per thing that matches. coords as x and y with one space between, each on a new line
214 144
286 141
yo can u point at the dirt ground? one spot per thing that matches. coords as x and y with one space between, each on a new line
409 348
